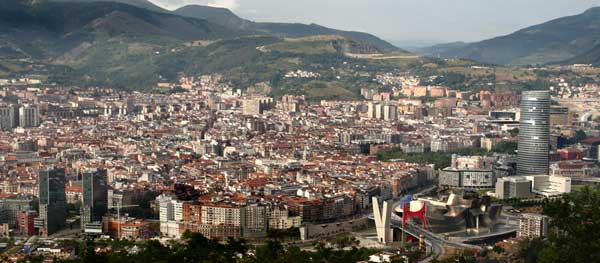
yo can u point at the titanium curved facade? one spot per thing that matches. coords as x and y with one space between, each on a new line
534 133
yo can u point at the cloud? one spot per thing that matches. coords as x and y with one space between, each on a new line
171 4
229 4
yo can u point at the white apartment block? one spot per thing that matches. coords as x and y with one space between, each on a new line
221 215
532 226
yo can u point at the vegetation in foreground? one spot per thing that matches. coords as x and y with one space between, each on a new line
194 247
573 234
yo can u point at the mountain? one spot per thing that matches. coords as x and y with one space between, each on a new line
302 30
228 19
47 29
220 16
123 46
556 40
437 50
589 57
137 3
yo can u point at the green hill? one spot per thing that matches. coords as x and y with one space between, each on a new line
137 3
89 43
590 57
49 29
220 16
556 40
227 18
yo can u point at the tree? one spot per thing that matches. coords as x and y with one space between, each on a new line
575 219
269 252
506 147
579 136
574 233
461 257
498 249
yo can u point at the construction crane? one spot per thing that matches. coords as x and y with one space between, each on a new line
118 207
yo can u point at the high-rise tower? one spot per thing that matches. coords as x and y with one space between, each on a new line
95 196
53 201
29 116
534 133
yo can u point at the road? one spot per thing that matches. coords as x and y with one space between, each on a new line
433 240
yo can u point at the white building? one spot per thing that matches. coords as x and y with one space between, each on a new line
529 186
29 116
221 214
7 117
279 218
389 112
532 225
548 185
170 215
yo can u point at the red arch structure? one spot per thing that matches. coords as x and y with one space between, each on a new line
406 213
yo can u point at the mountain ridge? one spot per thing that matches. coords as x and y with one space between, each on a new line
48 28
555 40
226 18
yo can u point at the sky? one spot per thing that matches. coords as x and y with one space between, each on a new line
406 23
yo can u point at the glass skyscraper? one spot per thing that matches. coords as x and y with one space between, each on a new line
534 133
53 200
95 196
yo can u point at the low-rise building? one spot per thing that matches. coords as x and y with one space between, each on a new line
513 187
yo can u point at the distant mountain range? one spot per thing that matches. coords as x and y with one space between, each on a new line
591 56
135 44
41 29
227 19
558 40
138 3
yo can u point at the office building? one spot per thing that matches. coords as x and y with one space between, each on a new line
7 117
532 226
389 112
548 186
466 178
95 196
254 220
10 208
53 201
534 133
513 187
256 106
29 116
531 185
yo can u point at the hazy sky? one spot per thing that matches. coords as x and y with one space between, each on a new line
406 22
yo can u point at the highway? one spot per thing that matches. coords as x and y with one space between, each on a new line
433 240
436 243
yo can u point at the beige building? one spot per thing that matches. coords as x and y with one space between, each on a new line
279 218
221 214
532 226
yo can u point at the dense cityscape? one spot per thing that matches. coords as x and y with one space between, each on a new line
432 160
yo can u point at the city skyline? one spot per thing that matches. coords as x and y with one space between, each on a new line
131 133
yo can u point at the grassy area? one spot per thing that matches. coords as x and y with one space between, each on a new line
577 187
440 160
303 47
